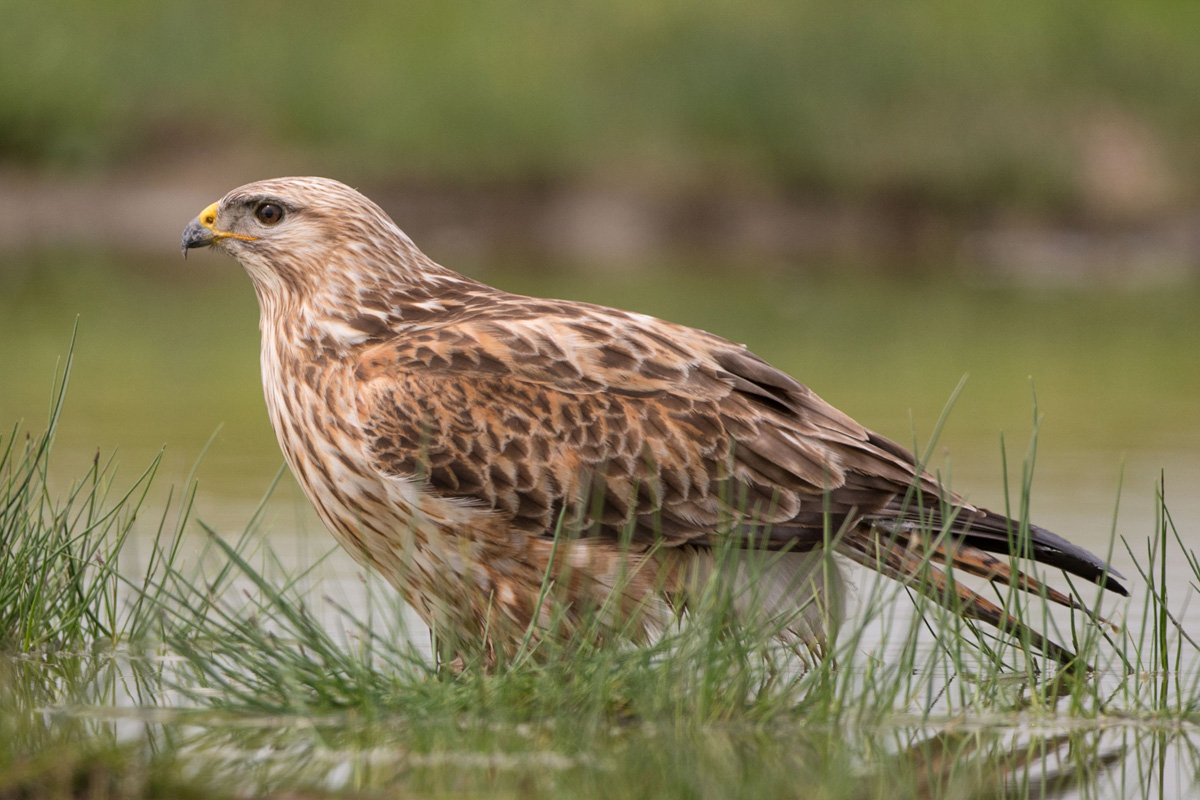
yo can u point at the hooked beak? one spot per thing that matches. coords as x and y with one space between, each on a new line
196 235
203 231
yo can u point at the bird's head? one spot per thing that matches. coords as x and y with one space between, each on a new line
296 236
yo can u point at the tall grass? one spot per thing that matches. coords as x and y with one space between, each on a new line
59 556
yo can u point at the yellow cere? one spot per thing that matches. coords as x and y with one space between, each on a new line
208 218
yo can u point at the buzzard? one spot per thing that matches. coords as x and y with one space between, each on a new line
511 464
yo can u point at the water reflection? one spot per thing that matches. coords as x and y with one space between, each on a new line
102 721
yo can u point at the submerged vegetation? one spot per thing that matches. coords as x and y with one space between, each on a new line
212 669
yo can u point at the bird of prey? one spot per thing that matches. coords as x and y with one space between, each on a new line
476 447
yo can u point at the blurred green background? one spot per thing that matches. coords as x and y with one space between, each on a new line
879 197
965 108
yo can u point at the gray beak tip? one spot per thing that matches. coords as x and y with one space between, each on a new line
195 235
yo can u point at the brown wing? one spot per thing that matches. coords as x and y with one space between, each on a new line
621 422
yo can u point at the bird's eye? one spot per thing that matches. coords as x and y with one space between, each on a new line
268 213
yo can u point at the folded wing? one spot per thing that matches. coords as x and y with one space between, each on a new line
623 423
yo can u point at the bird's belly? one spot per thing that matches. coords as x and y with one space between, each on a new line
431 550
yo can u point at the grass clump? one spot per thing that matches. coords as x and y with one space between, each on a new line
59 557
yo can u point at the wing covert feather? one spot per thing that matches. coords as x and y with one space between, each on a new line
666 429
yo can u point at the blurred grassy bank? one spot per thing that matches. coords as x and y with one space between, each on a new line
1066 108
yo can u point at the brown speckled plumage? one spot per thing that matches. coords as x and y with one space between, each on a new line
444 430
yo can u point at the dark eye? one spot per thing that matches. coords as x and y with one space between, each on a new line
268 213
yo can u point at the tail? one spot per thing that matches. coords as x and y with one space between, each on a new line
905 543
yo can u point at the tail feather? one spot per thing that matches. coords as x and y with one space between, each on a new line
976 562
990 532
909 558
